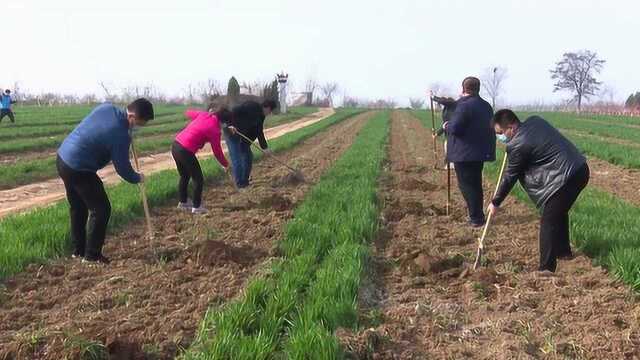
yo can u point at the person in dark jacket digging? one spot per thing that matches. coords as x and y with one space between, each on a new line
103 136
551 170
471 142
248 120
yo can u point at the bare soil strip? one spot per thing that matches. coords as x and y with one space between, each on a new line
621 182
47 192
422 304
152 301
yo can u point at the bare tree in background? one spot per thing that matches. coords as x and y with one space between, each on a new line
310 86
329 89
575 73
107 92
416 103
251 88
440 89
492 82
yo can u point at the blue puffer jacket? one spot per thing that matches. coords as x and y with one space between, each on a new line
102 136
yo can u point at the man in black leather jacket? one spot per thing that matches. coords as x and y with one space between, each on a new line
551 170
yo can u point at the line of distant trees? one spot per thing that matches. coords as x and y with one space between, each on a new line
313 93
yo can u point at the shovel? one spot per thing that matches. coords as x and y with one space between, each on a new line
143 191
297 174
476 264
433 132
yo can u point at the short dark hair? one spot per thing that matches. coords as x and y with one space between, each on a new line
505 117
142 108
7 91
270 103
471 85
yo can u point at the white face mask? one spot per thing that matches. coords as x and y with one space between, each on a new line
502 138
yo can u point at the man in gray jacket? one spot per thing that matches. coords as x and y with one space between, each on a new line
551 170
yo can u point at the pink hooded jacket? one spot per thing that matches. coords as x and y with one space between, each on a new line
203 128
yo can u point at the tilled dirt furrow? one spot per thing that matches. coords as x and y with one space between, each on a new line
151 298
424 303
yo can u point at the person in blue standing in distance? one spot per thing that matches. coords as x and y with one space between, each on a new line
247 119
5 106
471 142
103 136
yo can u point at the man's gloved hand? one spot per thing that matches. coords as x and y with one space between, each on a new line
233 130
492 209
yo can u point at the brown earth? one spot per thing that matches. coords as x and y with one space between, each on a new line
45 193
616 180
421 301
148 302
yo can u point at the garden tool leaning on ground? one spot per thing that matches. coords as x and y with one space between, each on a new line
476 264
143 191
297 174
433 132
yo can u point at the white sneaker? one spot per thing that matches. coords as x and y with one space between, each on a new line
185 205
199 210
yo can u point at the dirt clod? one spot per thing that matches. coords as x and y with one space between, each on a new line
276 202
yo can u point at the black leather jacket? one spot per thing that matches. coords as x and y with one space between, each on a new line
541 158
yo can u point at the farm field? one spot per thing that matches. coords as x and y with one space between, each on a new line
27 149
360 261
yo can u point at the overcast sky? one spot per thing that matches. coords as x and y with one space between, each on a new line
372 48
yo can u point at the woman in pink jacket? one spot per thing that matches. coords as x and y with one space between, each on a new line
203 128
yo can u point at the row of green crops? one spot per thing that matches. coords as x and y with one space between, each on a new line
42 234
572 122
293 312
33 132
150 140
34 116
602 226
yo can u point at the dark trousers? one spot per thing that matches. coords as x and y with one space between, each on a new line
88 205
7 112
241 158
554 223
469 176
189 169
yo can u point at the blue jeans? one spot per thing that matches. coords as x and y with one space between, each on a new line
241 158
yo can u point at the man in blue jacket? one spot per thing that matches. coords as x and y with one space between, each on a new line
471 142
5 106
103 136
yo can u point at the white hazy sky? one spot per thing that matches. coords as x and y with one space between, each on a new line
372 48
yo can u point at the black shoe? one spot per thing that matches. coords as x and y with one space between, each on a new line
97 259
77 255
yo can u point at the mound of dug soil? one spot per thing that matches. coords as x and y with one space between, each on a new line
410 184
424 264
399 210
276 202
216 253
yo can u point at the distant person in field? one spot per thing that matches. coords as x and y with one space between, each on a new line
448 107
5 106
103 136
205 127
248 120
550 169
471 142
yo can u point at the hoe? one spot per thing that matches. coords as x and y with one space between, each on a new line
476 264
